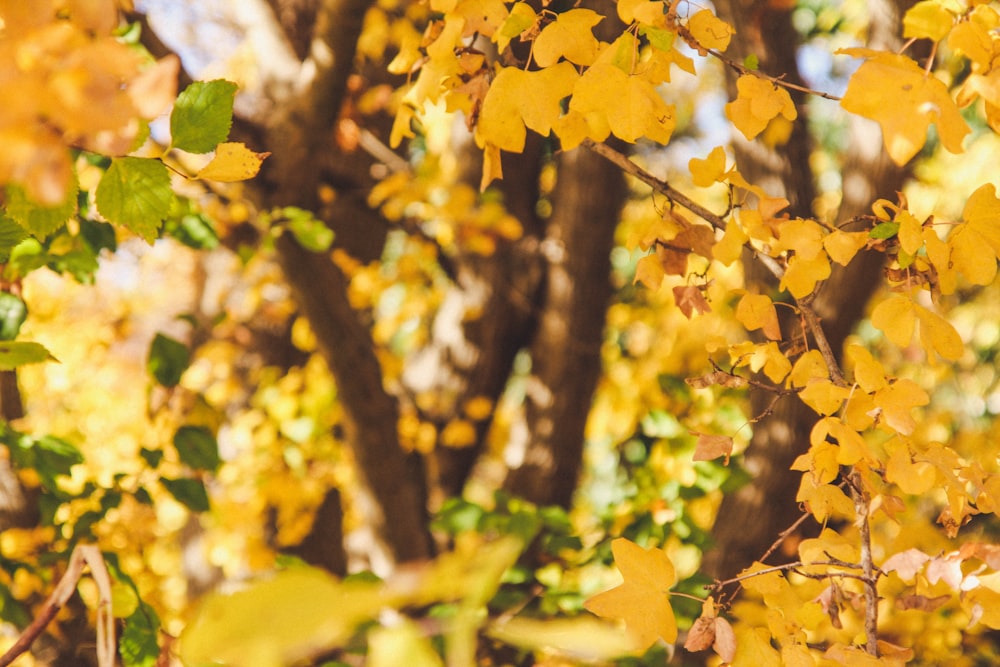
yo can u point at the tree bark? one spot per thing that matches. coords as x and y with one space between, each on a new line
566 352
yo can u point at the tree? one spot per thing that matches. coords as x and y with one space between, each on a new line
517 280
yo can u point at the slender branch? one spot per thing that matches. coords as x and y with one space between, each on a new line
869 577
82 555
776 80
718 222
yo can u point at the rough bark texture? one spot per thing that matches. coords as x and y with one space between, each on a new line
565 353
750 520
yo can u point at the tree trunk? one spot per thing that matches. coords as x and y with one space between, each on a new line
566 351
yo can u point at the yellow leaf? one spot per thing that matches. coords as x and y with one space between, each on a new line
771 583
710 31
572 128
710 170
756 311
910 234
804 237
757 102
983 606
829 544
842 246
897 401
809 368
570 36
517 99
729 248
938 335
895 92
458 433
820 461
927 20
522 17
642 600
803 273
482 16
630 105
973 38
649 272
823 396
642 11
753 647
896 318
975 245
400 644
232 162
492 166
868 371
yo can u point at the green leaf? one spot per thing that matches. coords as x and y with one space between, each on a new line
189 492
98 236
14 354
751 62
152 457
138 644
197 447
202 116
884 230
11 234
311 233
39 220
48 456
168 359
13 312
658 38
135 193
194 231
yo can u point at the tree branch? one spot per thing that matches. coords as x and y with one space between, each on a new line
82 555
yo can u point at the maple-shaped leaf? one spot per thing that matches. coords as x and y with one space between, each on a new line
710 170
842 246
912 477
975 244
710 31
482 17
757 103
629 105
690 300
757 311
518 99
897 402
906 563
973 37
904 100
233 161
570 36
927 20
521 17
643 599
641 11
753 647
729 248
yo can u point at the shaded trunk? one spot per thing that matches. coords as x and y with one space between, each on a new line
750 520
566 351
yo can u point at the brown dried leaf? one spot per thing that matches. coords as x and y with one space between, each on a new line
725 640
690 300
701 635
711 447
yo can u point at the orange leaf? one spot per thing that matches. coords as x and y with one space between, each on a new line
642 600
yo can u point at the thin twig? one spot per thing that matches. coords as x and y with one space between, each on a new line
63 591
869 577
